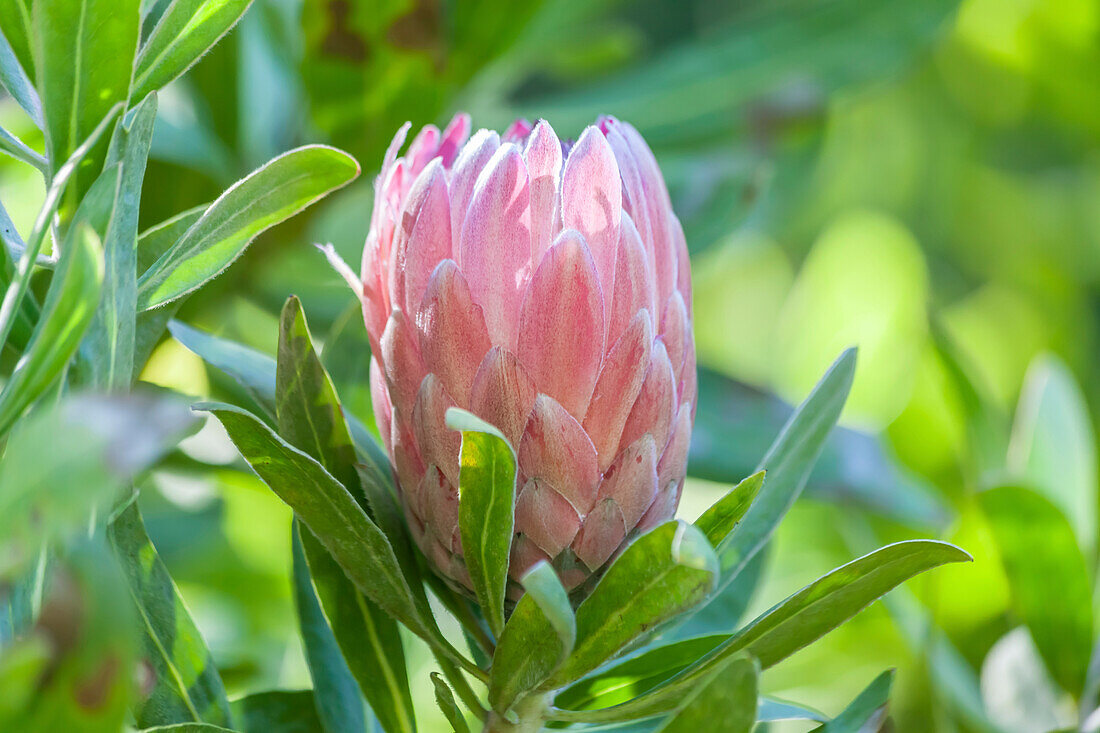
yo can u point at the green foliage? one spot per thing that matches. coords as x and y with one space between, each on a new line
724 702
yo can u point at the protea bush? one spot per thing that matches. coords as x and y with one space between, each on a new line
543 285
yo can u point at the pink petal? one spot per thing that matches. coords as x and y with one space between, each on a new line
422 149
603 531
658 206
689 379
561 335
517 131
503 394
375 298
453 339
618 387
546 517
495 246
655 407
406 457
525 554
634 199
555 449
441 510
683 261
423 238
380 402
663 508
475 154
675 332
439 445
633 289
401 363
631 481
572 577
453 137
543 156
673 465
591 200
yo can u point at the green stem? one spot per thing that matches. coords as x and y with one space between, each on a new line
526 716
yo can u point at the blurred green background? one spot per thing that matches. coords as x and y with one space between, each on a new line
919 177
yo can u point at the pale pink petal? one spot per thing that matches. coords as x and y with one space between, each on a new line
475 154
401 363
673 465
380 402
503 394
655 407
495 245
663 507
634 199
543 156
439 445
424 237
525 554
591 200
546 517
555 449
602 533
422 149
453 339
453 138
683 261
689 379
375 298
633 289
441 498
406 457
675 332
657 206
618 387
632 479
572 577
517 131
561 335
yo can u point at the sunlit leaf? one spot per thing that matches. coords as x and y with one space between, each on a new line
866 712
720 519
723 703
276 711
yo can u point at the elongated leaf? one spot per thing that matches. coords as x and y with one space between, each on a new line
187 686
724 703
866 712
276 711
253 370
486 510
13 77
17 15
79 86
186 31
720 519
367 637
19 150
770 710
272 193
187 728
445 699
788 464
327 509
661 574
799 620
109 345
335 692
539 636
66 314
1048 578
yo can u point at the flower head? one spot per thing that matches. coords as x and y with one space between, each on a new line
544 286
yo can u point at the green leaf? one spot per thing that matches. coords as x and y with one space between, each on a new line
307 409
720 519
327 509
661 574
186 728
446 702
788 464
1048 579
538 638
80 85
109 345
486 511
770 710
271 194
186 31
66 314
277 711
19 150
866 712
799 620
368 638
253 370
724 703
335 691
187 686
17 33
14 78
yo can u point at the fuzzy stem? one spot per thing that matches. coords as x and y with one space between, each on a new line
529 715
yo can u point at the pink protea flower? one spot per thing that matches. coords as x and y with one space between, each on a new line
544 286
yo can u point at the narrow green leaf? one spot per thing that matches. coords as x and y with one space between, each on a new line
723 703
19 150
866 712
486 510
79 86
368 638
327 509
66 315
537 639
1048 579
661 574
253 370
186 31
770 710
720 519
271 194
187 728
335 691
446 702
14 78
17 16
187 686
276 711
109 345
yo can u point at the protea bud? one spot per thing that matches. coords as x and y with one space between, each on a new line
543 285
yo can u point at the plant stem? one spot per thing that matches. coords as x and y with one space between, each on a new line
529 715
